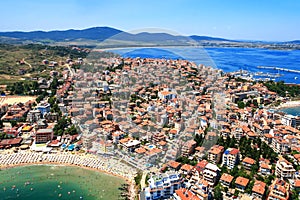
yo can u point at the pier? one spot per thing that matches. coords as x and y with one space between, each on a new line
280 69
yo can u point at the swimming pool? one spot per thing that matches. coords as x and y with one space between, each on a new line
151 146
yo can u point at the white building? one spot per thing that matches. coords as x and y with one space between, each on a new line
231 158
211 174
162 186
288 120
284 169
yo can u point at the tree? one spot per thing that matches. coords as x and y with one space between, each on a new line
241 104
249 187
199 139
54 83
218 193
13 123
1 124
72 130
233 143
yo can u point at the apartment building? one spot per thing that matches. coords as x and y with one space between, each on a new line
215 154
231 158
162 186
284 169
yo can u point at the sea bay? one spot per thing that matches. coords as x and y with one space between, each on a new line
35 182
228 59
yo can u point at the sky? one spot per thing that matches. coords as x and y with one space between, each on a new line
270 20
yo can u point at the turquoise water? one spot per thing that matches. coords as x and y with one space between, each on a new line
44 182
292 111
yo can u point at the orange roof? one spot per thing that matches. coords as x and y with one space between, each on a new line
268 135
259 187
173 164
234 151
216 150
153 151
226 177
164 93
202 164
251 134
185 194
242 181
200 149
140 150
124 140
248 160
162 143
264 165
297 183
186 167
173 131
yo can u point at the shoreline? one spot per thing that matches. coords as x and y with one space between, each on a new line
129 180
65 165
289 104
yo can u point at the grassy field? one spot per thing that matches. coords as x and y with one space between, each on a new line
21 62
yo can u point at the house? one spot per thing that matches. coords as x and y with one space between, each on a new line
264 168
226 179
280 145
258 189
211 174
279 190
43 108
201 189
185 194
248 163
129 144
294 184
14 142
33 116
201 166
43 135
231 158
174 165
188 148
215 154
186 168
284 169
166 94
241 183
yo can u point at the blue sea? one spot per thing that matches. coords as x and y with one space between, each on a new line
292 111
228 59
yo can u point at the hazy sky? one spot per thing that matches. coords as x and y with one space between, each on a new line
233 19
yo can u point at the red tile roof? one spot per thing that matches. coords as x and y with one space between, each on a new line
242 181
186 167
185 194
173 164
226 177
249 161
259 187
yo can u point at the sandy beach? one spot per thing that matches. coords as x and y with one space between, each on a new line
289 104
89 162
10 100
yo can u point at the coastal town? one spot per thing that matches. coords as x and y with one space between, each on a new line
173 129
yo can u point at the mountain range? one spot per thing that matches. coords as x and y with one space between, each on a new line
108 36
